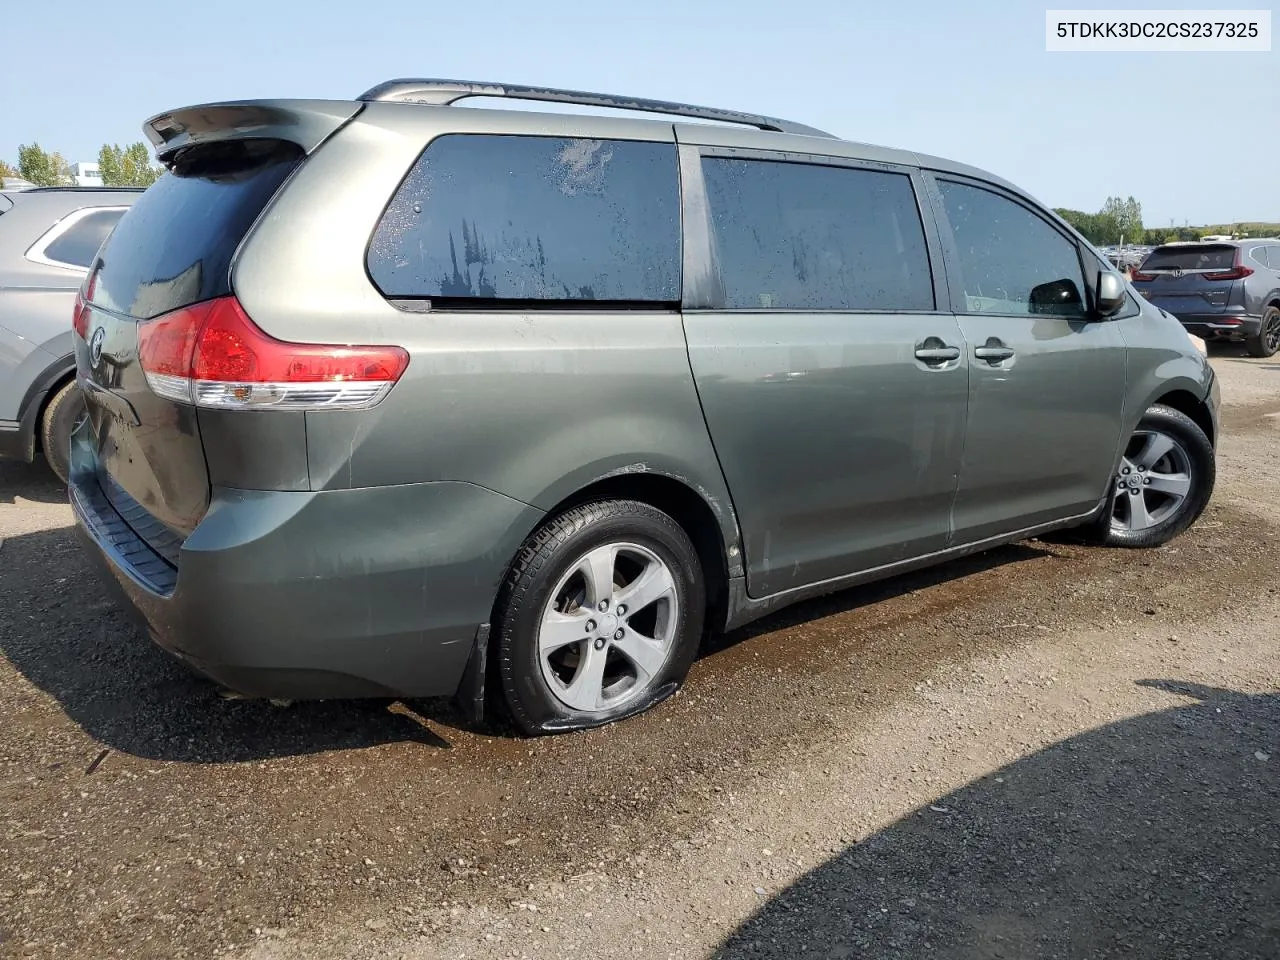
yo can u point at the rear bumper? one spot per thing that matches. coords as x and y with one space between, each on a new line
302 595
1212 326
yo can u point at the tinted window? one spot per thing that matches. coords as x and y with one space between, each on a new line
77 244
533 219
174 245
799 236
1273 257
1216 257
1011 260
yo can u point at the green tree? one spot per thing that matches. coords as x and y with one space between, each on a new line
41 168
1091 225
1127 216
128 167
6 172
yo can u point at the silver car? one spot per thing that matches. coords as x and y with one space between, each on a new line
48 238
391 398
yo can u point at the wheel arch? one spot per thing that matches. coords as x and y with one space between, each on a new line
691 509
1184 401
35 400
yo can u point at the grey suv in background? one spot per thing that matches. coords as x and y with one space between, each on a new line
1219 290
390 398
48 238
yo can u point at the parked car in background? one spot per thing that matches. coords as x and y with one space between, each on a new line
48 238
1220 290
1125 258
387 397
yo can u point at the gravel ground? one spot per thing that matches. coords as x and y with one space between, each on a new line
1046 751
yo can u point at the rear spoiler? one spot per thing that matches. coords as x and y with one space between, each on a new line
304 122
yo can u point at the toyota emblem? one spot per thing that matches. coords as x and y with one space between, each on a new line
95 345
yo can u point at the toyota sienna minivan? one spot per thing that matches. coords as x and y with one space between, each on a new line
392 398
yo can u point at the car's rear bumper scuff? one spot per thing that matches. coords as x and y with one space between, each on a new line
309 595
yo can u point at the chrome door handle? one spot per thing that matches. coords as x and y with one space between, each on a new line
935 355
936 352
993 351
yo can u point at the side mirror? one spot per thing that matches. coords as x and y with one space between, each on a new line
1061 297
1111 294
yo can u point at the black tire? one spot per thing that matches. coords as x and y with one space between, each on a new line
1266 341
1202 470
551 554
61 415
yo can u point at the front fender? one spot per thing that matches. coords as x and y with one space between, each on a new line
1162 361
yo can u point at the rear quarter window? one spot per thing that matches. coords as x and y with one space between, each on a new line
75 243
487 219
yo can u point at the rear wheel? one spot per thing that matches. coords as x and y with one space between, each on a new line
600 617
1266 341
61 415
1163 483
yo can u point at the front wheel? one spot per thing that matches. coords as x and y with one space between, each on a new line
1266 341
600 617
1163 483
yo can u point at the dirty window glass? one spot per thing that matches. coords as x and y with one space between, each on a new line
533 219
79 243
1011 261
176 245
797 236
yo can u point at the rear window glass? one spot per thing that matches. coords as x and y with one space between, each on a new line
1191 258
485 218
798 236
77 245
175 244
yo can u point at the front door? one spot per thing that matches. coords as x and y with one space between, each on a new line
833 387
1046 378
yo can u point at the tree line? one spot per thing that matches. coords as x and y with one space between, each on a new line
118 166
1121 219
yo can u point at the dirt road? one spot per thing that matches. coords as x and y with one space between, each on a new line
1048 751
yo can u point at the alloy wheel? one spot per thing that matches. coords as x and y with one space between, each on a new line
1271 333
608 628
1153 482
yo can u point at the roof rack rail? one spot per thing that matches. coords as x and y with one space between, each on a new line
445 92
75 188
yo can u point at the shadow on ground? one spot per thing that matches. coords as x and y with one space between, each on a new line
30 481
1157 837
63 632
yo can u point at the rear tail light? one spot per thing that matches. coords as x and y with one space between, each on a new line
1235 273
80 319
1238 270
1139 276
211 354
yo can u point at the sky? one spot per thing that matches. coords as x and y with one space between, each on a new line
1193 136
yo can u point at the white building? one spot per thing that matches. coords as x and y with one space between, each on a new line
86 175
